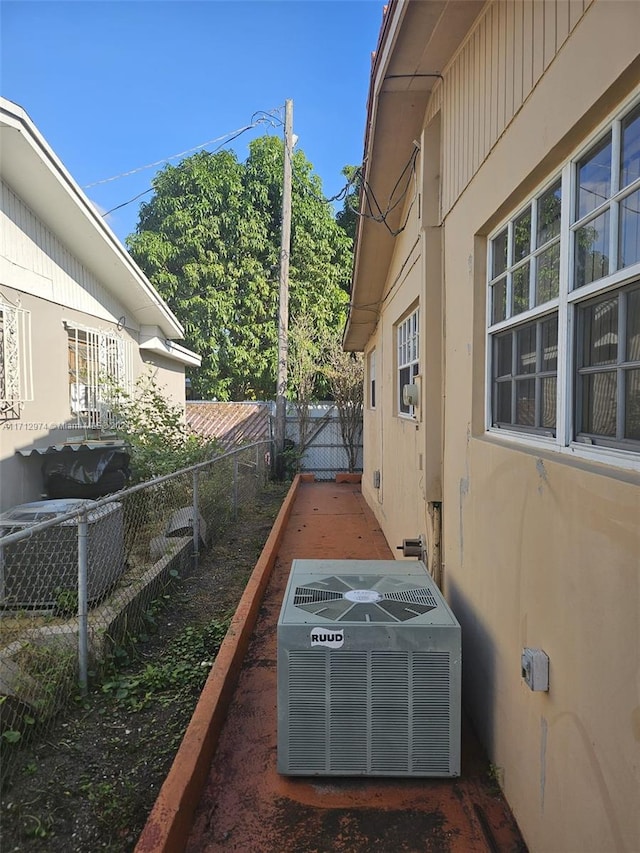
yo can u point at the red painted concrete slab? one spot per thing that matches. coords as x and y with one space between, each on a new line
323 501
246 806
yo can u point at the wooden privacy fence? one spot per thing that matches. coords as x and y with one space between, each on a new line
323 453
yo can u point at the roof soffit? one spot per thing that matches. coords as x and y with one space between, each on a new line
417 43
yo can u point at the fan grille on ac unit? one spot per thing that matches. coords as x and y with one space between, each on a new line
388 599
310 595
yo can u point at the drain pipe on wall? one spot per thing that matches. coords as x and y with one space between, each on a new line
434 510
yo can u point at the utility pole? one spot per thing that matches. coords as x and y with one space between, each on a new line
283 309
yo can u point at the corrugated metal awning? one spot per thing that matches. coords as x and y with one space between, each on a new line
72 447
230 423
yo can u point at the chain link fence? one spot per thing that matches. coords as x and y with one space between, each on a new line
77 579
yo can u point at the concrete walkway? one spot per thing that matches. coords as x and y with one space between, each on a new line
234 800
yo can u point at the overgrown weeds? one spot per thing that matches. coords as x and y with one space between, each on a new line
89 783
181 668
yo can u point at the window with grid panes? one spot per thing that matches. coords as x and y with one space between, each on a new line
564 302
408 355
99 368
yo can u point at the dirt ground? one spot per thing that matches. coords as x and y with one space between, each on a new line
91 784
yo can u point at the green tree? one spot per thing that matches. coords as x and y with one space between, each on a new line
154 430
209 240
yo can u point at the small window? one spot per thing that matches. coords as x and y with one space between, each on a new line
525 371
526 258
372 379
606 227
99 368
408 349
630 155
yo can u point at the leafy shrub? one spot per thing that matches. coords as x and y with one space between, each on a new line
155 431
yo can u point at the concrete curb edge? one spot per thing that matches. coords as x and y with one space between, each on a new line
170 820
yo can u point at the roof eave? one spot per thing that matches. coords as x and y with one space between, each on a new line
33 171
417 40
172 351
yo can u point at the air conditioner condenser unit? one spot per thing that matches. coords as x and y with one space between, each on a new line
34 572
369 672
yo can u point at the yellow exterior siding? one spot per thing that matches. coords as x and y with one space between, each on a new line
493 74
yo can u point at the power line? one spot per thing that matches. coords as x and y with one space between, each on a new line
266 118
339 196
270 117
371 200
369 195
227 139
125 203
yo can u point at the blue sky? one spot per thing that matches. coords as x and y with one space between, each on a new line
117 85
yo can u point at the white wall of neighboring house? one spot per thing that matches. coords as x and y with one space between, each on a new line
540 533
51 296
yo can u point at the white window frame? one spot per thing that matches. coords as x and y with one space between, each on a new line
16 373
371 359
99 362
618 452
407 335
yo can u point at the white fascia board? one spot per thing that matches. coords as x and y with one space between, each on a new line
55 197
397 11
172 350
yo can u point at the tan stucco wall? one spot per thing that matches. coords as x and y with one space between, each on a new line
540 549
544 554
408 452
395 444
168 375
47 419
